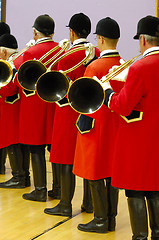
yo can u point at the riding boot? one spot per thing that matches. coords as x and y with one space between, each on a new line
112 201
15 159
87 198
56 186
3 155
39 175
64 208
26 163
138 218
100 222
153 206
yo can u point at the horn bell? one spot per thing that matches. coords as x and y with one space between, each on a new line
6 73
29 72
86 95
52 86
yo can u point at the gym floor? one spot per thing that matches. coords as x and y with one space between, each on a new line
25 220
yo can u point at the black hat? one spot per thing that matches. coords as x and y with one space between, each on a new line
80 23
44 24
108 27
4 28
148 25
8 41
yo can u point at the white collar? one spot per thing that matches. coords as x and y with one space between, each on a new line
80 40
42 39
12 56
107 51
151 50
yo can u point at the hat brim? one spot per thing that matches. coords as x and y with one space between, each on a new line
136 36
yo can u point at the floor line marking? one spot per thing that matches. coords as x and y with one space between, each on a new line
56 225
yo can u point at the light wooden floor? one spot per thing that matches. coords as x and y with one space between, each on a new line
25 220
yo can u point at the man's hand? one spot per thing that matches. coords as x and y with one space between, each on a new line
122 75
65 43
31 43
90 52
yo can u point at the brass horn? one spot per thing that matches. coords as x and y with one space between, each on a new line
87 95
53 86
31 70
6 71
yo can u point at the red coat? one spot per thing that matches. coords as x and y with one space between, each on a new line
93 156
9 115
36 116
136 156
64 130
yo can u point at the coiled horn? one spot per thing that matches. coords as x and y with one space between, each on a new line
86 95
6 70
53 86
31 70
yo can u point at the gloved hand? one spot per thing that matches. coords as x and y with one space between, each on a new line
122 75
90 52
106 85
31 43
65 43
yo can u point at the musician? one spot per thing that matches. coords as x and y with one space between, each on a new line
9 119
4 28
136 154
64 131
36 116
90 161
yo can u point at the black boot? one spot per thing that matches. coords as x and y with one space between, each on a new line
100 222
138 218
64 208
55 193
153 206
15 158
3 155
87 198
26 163
39 175
112 200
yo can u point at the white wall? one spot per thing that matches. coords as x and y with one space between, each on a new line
21 15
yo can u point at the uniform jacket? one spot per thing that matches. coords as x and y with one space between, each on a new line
136 155
95 145
64 131
36 115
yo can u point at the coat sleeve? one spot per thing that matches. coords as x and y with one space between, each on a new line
129 96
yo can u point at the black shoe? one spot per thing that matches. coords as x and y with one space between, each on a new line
98 226
87 208
13 183
39 195
55 193
61 210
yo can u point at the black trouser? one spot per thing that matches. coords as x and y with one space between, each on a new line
3 154
38 165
